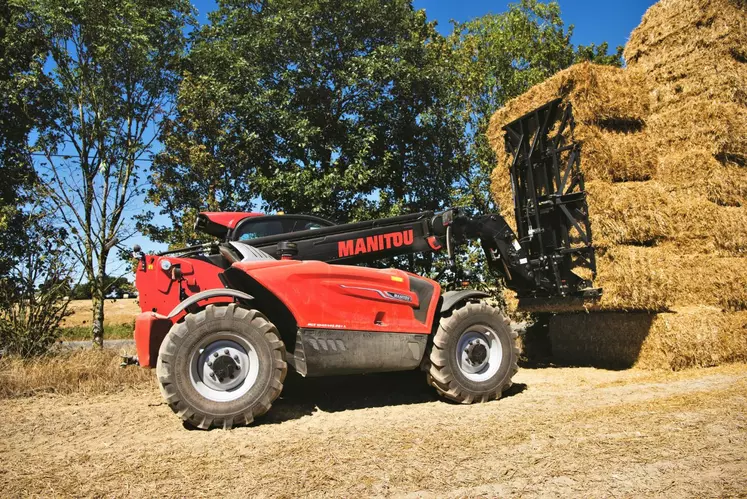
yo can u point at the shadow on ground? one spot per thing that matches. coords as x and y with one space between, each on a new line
303 396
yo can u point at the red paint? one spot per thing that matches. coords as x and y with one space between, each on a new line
160 293
319 295
229 219
326 296
149 333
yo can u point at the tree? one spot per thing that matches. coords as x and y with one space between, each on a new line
22 107
114 66
84 290
333 107
33 291
497 57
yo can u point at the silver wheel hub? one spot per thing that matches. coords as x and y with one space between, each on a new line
224 368
479 353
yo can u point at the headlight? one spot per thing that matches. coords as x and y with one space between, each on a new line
165 265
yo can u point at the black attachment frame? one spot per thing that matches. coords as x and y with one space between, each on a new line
552 215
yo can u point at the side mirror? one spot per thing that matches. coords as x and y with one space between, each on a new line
137 254
176 273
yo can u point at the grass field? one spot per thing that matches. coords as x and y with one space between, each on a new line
573 432
119 319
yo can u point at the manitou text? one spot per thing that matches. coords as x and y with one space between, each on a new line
379 242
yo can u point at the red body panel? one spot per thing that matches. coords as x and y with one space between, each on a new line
229 218
160 293
149 333
324 296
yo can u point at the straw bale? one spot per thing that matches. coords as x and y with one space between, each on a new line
713 77
649 213
655 279
629 213
687 337
696 172
686 25
716 127
605 155
599 94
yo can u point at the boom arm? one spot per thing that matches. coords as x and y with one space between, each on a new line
554 231
553 237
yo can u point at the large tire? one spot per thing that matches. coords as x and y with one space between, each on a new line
221 332
450 370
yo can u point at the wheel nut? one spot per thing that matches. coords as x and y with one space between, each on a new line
237 368
236 358
226 351
215 354
220 380
210 364
212 375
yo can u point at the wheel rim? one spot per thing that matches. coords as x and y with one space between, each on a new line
224 367
479 353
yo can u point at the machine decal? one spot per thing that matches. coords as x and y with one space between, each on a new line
384 294
378 242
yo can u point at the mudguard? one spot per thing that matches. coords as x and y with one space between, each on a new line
204 295
453 298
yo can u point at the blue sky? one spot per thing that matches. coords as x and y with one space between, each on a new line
595 21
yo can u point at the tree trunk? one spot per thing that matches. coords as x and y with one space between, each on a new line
98 293
98 319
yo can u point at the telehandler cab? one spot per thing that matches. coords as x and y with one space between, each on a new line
220 323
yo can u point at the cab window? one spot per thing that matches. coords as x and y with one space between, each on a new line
264 228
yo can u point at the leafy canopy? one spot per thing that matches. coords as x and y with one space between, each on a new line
347 109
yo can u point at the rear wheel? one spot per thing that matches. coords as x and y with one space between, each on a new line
221 366
474 354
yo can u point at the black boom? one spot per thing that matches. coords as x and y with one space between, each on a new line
552 215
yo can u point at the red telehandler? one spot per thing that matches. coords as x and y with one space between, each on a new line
221 322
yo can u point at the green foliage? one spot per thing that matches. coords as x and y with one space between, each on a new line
84 290
597 54
114 66
333 107
22 92
348 109
496 58
33 293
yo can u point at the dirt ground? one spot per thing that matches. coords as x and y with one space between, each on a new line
122 311
559 432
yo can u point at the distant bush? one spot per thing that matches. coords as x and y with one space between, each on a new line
34 292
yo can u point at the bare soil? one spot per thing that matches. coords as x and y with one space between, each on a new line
558 432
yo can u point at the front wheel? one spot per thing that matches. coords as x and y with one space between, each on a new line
220 366
474 354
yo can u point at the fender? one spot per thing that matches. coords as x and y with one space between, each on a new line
204 295
453 298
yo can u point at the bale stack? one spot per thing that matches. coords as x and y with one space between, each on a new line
664 152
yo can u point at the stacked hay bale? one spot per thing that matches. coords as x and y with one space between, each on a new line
665 150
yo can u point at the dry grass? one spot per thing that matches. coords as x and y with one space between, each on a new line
89 372
668 202
578 432
683 338
646 213
115 312
719 77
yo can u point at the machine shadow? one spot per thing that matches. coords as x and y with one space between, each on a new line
303 396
